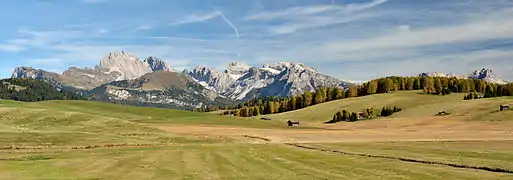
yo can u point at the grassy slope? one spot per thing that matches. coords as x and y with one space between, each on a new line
413 103
75 123
491 153
137 114
55 123
224 162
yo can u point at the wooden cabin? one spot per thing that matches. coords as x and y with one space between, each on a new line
504 107
291 123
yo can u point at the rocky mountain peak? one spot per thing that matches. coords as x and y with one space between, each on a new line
128 65
237 68
481 74
487 75
157 64
202 68
281 66
26 72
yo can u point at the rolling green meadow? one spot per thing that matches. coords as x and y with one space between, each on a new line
93 140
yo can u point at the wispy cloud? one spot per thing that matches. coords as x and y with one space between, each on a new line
195 18
301 11
11 48
316 22
143 27
477 30
294 19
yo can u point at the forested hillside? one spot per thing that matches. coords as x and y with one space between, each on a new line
30 90
430 85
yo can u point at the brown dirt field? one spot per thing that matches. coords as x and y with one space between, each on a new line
424 129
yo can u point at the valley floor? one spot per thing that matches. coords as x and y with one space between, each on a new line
88 140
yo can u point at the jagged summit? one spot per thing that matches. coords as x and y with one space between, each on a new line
481 74
157 64
487 75
237 68
129 66
280 66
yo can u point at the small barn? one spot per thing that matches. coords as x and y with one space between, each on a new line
504 107
292 123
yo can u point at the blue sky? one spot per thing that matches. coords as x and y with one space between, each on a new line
347 39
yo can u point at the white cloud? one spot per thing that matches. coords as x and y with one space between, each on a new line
316 22
489 29
11 48
143 27
195 18
300 11
404 28
44 38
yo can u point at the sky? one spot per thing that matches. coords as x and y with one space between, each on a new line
346 39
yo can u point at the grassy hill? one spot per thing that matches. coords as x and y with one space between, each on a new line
415 104
94 140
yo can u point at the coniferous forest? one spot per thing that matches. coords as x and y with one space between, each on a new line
31 90
429 85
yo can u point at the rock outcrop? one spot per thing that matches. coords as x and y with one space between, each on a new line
157 64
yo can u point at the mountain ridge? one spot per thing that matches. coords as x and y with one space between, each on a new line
240 81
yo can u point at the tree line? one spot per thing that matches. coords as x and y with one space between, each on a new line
346 116
491 90
429 85
30 90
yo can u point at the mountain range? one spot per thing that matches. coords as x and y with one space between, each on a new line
240 81
123 78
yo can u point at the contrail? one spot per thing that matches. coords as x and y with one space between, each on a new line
233 27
